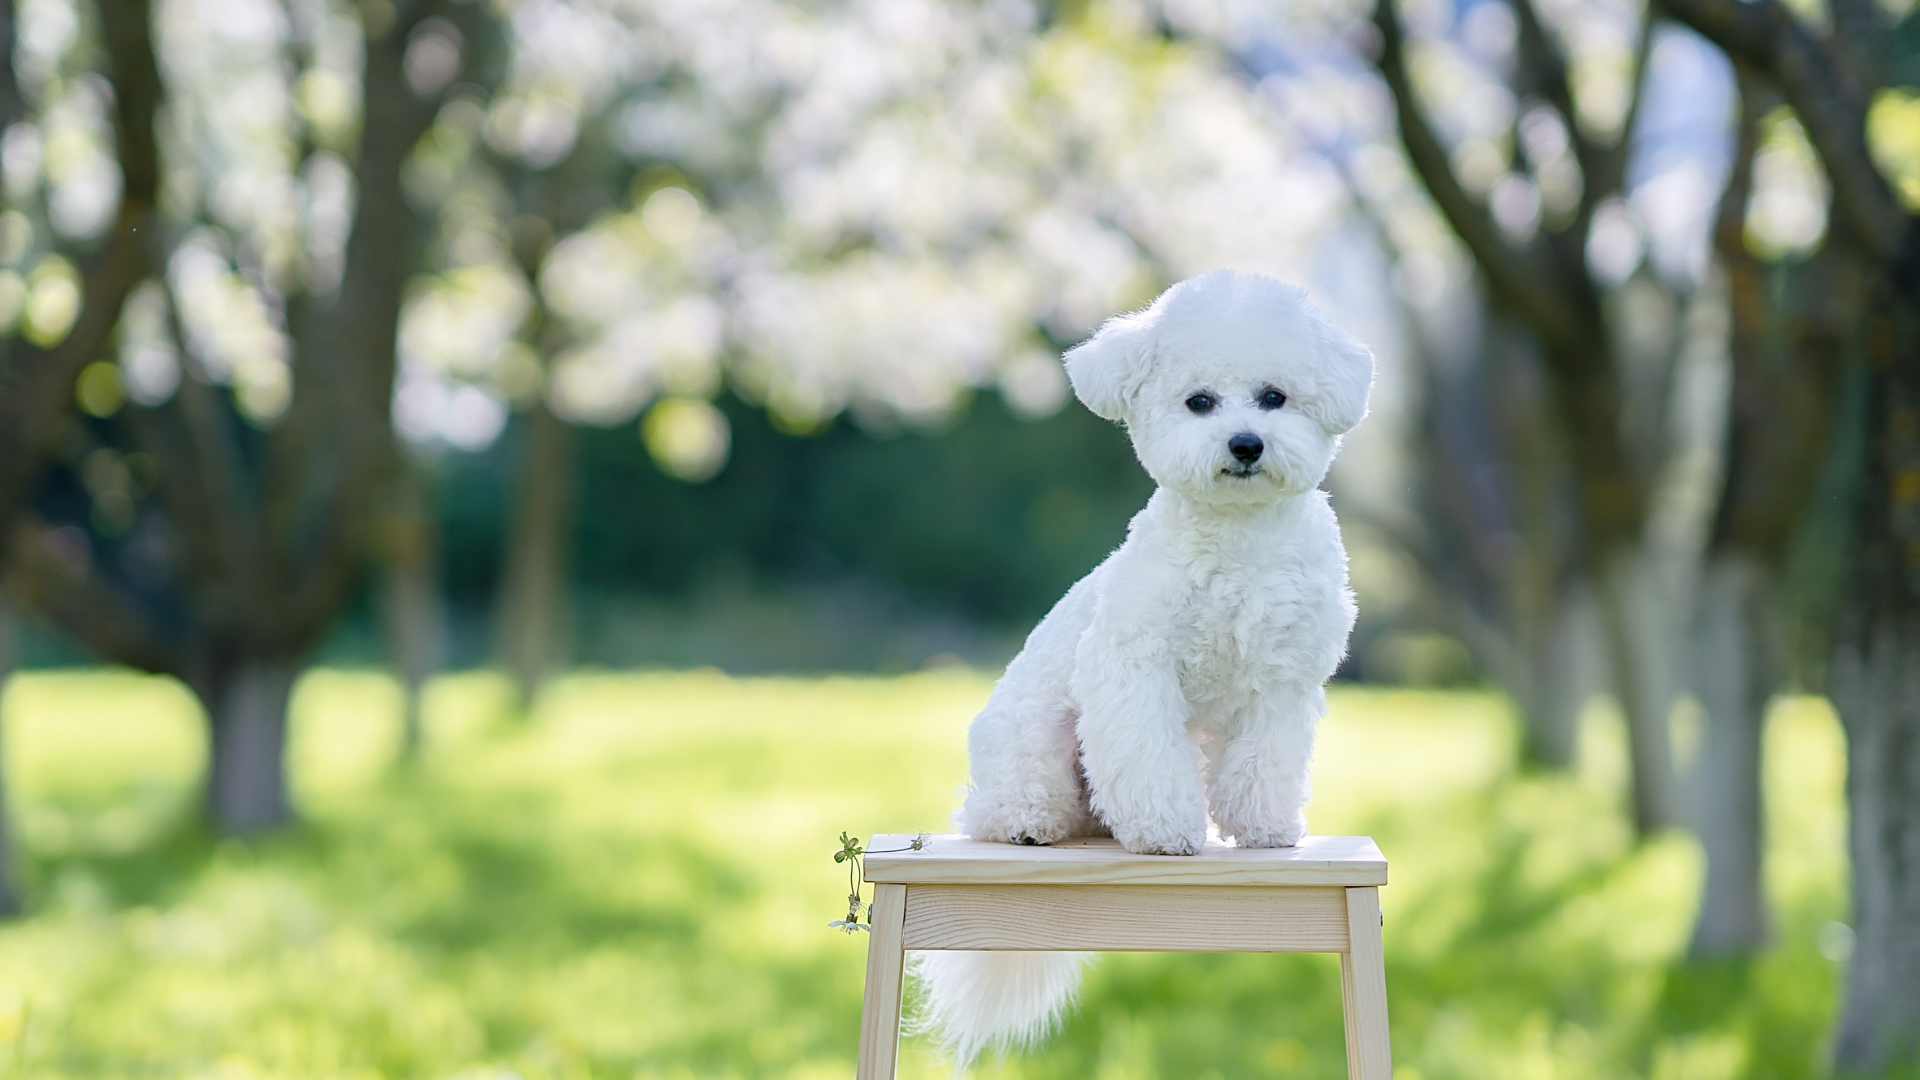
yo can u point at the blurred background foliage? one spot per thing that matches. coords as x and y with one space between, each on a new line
962 538
484 340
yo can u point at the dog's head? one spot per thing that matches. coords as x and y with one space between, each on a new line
1232 387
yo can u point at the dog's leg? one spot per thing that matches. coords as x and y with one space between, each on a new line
1143 769
1257 773
1027 787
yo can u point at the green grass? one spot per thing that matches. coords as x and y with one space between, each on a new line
636 883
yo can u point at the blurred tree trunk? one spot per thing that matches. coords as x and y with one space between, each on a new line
1736 667
1735 673
410 601
1875 684
532 628
1635 615
1551 602
1564 679
1538 576
1489 535
246 695
1543 282
1874 681
1552 686
9 658
1780 418
533 610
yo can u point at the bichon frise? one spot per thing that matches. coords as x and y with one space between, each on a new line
1183 677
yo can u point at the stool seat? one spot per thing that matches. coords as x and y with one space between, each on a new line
1090 860
1089 894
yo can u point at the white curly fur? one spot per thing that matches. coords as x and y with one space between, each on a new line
1183 678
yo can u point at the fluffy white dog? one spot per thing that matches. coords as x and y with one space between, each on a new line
1184 676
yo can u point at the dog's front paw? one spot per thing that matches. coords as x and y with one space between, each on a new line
1029 829
1021 822
1033 837
1039 828
1026 835
1289 836
1162 841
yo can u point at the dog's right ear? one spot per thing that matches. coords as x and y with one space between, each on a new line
1107 369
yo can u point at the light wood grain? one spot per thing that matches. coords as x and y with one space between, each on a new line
880 1010
1363 985
1346 1014
1090 895
957 860
1127 918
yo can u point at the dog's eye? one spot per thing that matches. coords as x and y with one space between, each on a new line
1272 399
1200 404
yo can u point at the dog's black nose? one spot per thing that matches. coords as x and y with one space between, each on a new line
1246 447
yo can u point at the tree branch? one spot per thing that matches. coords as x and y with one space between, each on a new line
1609 171
1832 107
1515 277
1862 32
64 590
1546 69
40 396
199 489
357 346
12 106
135 73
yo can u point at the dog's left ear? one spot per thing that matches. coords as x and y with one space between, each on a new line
1106 370
1346 378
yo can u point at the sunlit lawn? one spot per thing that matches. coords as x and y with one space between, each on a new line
636 883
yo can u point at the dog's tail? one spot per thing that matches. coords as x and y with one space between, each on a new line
973 1002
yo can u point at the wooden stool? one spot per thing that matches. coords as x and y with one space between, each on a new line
1091 895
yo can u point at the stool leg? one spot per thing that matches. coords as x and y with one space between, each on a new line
880 1010
1363 987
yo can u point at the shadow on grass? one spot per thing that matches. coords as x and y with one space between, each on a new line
156 874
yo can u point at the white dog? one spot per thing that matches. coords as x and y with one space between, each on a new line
1185 675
